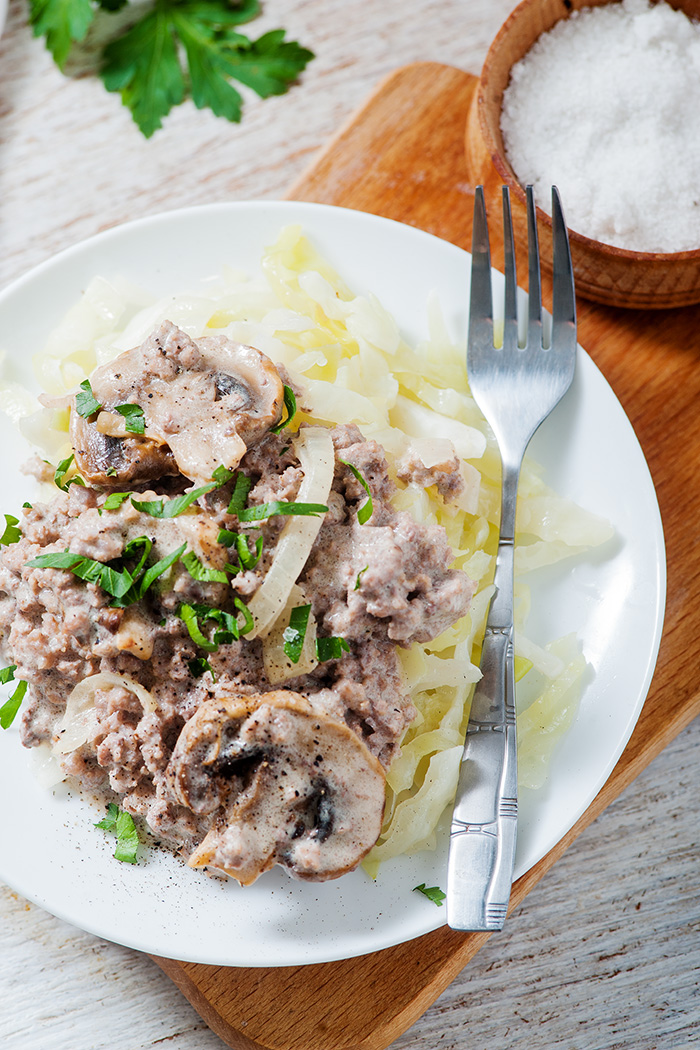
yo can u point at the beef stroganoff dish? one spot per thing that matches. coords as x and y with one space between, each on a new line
248 597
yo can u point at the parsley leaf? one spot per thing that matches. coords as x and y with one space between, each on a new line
295 634
365 511
11 534
171 508
125 586
239 496
267 510
290 403
86 404
360 574
114 500
199 666
122 824
60 475
241 541
229 629
433 893
331 648
183 47
10 708
62 22
134 419
201 572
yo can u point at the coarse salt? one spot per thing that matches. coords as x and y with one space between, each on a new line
606 106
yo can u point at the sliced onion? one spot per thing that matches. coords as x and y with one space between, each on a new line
278 666
314 449
79 723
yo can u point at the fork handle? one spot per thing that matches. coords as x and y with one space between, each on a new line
485 816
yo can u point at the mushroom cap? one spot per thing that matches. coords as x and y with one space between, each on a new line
286 784
204 405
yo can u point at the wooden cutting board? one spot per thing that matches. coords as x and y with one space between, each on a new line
402 156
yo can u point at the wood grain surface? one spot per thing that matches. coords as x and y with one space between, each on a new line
604 954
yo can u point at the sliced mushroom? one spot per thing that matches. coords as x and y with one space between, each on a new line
204 404
287 784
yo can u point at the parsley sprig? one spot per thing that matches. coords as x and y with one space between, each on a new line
175 50
122 824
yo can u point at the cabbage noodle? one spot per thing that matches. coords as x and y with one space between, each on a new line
348 355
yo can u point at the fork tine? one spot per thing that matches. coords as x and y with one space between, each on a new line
480 301
510 316
534 327
563 297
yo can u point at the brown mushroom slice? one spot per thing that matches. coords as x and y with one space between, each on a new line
288 785
204 405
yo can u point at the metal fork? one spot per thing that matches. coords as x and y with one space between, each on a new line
516 388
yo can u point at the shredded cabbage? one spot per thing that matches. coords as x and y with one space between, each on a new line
348 355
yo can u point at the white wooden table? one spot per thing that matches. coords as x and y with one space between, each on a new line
605 953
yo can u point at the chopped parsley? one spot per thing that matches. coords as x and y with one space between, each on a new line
171 508
365 511
295 634
11 534
60 475
262 511
114 500
229 630
331 648
360 574
124 585
239 496
201 572
290 404
279 506
241 541
122 824
9 709
199 666
433 893
134 419
86 404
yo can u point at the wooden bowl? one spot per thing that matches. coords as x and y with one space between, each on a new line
605 274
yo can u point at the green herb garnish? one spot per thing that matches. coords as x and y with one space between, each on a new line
167 52
201 572
365 511
278 506
122 824
239 496
360 574
86 404
171 508
241 541
290 404
295 634
331 648
9 709
134 419
433 893
114 500
124 585
229 630
199 666
11 534
60 475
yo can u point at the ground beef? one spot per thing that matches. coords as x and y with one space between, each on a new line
375 585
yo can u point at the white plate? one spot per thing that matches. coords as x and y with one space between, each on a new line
3 14
52 855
